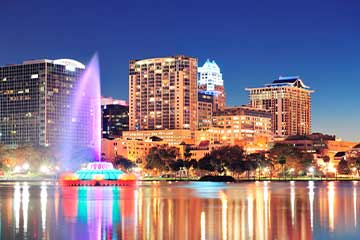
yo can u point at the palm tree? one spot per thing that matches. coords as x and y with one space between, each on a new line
282 161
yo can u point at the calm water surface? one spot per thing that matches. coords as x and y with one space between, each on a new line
249 210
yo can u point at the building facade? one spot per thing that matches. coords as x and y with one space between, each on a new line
163 93
210 81
244 126
205 110
35 102
170 137
115 117
289 101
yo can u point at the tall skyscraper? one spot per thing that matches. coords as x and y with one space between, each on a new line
163 93
205 110
35 99
289 101
115 117
210 82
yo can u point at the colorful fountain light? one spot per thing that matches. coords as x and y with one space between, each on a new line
97 174
84 116
85 128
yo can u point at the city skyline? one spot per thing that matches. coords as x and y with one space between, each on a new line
316 41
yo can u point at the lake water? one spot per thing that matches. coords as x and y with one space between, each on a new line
179 210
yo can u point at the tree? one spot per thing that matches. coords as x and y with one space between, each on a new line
124 163
326 160
282 161
343 167
161 157
204 163
357 165
187 153
176 165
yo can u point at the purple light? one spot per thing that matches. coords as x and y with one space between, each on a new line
85 114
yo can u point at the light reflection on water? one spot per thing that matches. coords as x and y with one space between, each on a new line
249 210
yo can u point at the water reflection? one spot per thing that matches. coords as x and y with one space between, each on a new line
263 210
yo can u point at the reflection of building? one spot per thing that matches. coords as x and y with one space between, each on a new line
115 117
289 100
35 100
163 93
210 82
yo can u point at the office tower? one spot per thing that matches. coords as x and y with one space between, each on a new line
35 103
205 110
163 93
115 117
210 82
289 101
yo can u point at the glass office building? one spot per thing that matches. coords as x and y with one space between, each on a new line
35 103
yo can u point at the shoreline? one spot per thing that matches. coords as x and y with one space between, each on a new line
340 179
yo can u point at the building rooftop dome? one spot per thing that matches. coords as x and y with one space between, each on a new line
211 65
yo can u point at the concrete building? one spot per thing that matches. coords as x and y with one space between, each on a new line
244 126
170 137
289 101
35 103
163 93
210 81
112 148
115 117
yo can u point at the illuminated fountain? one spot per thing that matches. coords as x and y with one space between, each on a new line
83 121
85 129
98 174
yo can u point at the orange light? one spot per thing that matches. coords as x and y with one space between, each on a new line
98 177
127 177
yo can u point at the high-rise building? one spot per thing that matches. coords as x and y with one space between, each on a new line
289 101
35 102
115 117
163 93
210 82
205 110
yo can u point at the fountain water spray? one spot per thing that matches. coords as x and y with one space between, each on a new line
85 116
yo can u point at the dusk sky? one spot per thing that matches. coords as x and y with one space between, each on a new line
253 42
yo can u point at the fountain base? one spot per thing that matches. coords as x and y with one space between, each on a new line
98 174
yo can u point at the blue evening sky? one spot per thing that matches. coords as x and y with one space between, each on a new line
252 41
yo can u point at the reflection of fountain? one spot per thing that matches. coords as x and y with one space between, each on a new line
85 115
43 202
